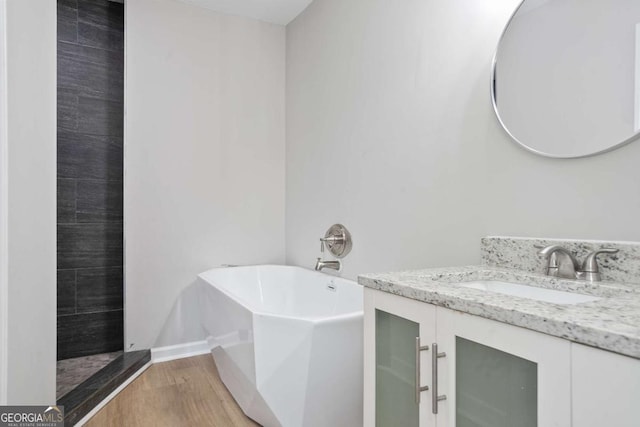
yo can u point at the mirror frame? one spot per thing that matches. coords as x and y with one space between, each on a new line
634 137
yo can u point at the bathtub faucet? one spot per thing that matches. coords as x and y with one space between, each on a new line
320 264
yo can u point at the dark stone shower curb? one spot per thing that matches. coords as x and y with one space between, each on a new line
86 396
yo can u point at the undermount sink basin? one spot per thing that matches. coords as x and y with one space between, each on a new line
530 292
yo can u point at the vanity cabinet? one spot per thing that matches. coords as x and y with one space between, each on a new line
605 388
486 373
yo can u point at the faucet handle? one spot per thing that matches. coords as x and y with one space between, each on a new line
337 240
590 268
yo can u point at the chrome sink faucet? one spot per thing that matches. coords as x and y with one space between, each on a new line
562 263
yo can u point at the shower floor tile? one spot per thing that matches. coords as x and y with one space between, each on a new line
72 372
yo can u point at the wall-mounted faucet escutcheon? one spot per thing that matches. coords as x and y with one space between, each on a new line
338 241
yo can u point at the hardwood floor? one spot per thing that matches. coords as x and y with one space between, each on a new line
184 392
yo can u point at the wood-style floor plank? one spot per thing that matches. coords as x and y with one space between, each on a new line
184 392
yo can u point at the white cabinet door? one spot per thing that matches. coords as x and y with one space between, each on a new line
497 375
606 388
391 326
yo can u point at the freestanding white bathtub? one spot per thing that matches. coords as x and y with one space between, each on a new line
287 342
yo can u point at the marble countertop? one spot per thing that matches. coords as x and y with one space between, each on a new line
611 323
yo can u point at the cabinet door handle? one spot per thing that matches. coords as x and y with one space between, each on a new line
434 378
419 389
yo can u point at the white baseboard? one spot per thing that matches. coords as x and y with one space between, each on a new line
179 351
113 394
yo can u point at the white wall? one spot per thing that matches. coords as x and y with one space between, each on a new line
390 131
204 152
31 195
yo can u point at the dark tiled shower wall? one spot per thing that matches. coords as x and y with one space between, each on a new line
90 160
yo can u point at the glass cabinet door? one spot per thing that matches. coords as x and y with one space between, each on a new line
397 362
494 388
395 371
500 375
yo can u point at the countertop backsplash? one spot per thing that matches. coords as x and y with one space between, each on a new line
520 253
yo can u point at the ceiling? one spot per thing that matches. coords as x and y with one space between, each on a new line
275 11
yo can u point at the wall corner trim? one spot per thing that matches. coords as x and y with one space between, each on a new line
4 197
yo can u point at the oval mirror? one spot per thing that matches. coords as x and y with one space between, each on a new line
566 76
